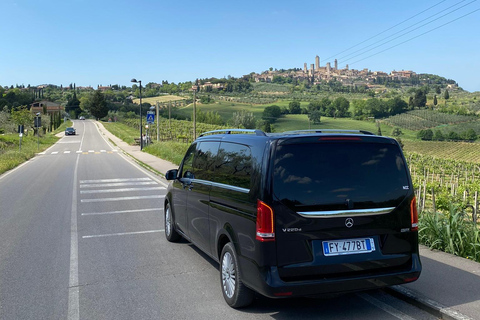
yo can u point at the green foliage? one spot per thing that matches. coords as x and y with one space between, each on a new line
396 132
420 98
209 117
378 108
438 135
10 154
426 134
294 107
425 119
243 119
271 113
73 106
450 232
168 150
22 116
340 106
98 105
315 116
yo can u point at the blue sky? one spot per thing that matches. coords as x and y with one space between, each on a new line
106 42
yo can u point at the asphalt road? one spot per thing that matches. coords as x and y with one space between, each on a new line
81 234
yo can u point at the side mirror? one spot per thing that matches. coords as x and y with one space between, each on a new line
171 174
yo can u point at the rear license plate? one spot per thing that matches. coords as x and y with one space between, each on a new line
349 246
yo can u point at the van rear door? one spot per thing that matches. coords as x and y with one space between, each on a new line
342 206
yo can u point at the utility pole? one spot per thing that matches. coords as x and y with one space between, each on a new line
194 88
158 122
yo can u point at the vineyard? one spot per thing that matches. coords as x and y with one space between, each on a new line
447 199
174 130
460 151
447 190
425 119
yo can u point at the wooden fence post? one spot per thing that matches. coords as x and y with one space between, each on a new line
423 201
433 200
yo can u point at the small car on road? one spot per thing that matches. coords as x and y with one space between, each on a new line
70 131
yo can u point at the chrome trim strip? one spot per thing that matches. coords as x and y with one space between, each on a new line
230 187
336 213
221 185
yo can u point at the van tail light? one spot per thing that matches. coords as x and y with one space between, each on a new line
265 226
414 214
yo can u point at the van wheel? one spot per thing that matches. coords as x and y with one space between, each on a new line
170 233
235 293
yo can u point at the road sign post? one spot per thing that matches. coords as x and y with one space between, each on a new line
150 117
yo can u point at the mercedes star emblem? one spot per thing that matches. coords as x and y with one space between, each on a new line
349 222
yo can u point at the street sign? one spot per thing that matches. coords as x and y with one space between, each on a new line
150 117
37 122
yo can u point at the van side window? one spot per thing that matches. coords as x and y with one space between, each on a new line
187 166
233 165
204 160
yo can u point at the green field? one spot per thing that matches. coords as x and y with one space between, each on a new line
160 99
224 108
460 151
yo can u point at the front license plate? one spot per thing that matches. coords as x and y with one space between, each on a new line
348 246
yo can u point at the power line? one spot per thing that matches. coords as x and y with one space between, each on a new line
349 56
417 36
389 29
408 31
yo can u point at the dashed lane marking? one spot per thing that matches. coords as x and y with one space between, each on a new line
123 198
122 234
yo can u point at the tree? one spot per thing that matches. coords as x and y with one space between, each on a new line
294 107
243 119
22 116
73 106
452 135
435 101
446 95
396 105
438 136
470 135
426 134
315 116
271 113
341 106
98 105
396 132
420 98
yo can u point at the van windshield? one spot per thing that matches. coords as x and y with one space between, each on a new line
339 175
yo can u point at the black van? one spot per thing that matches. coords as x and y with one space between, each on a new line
301 213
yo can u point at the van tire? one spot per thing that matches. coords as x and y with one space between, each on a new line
235 293
170 233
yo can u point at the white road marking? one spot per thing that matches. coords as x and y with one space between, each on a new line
121 234
73 288
103 150
122 211
79 151
91 150
114 180
120 184
66 152
54 152
123 198
121 190
385 307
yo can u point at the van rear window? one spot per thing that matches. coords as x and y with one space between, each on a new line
339 175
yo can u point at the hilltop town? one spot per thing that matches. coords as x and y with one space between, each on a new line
317 73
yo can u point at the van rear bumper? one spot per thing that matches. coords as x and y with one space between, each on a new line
267 281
